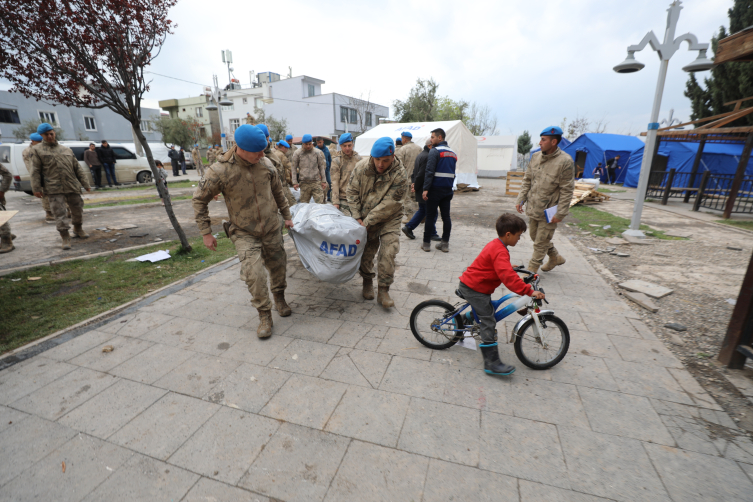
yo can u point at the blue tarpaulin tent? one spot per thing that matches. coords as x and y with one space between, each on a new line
601 147
719 158
565 142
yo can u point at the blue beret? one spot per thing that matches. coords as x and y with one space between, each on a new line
284 143
306 138
383 147
345 138
406 134
36 137
288 137
264 129
250 138
44 127
551 131
195 144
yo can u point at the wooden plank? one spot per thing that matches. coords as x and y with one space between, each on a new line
5 216
739 328
737 47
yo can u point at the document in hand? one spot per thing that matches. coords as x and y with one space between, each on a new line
550 213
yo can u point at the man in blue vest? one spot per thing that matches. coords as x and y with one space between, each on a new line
438 181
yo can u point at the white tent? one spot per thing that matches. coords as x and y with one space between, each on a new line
496 155
459 138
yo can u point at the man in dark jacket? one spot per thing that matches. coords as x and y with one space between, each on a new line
437 189
612 167
174 160
417 180
182 159
328 159
107 158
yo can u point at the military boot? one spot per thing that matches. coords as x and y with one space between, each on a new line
49 217
282 306
383 297
443 246
6 244
533 267
66 239
265 324
553 262
79 232
368 288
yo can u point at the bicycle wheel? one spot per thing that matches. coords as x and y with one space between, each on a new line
529 348
425 321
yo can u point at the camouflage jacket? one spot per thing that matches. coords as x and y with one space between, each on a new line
211 157
376 198
274 157
308 166
7 178
26 154
407 155
290 152
342 167
196 157
54 169
253 194
287 180
548 182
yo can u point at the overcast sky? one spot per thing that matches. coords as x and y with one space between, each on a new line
532 62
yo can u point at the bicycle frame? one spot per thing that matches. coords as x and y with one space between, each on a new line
501 313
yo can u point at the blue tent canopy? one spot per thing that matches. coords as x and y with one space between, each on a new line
719 158
602 147
565 142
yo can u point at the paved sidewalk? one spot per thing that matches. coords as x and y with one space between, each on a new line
343 404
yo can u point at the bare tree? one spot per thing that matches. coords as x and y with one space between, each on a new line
599 126
481 121
362 108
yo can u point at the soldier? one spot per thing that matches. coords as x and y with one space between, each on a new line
250 119
375 195
218 152
548 183
36 138
211 157
57 174
292 149
342 167
6 237
407 155
328 159
308 172
253 194
196 158
279 160
398 144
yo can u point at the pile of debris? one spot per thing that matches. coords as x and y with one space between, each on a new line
465 187
586 193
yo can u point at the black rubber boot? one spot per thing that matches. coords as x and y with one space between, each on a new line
492 364
408 232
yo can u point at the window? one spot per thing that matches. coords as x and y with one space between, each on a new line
9 116
122 154
202 132
234 124
228 108
245 101
199 111
89 123
258 102
145 126
312 90
48 117
353 116
78 151
368 119
343 114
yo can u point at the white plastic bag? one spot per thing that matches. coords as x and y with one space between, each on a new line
296 194
591 181
329 243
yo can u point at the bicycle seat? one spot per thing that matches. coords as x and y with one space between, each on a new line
458 293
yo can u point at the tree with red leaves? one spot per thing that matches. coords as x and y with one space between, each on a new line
87 53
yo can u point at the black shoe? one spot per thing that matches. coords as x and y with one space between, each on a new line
407 231
436 238
117 184
492 364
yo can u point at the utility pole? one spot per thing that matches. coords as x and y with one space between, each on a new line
227 58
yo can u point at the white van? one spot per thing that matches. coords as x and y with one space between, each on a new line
129 168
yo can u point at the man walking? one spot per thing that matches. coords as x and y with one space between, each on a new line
91 159
211 157
36 138
328 159
438 180
375 196
196 159
342 167
174 160
182 159
417 180
548 183
407 155
276 158
283 147
253 195
107 159
57 174
309 171
612 168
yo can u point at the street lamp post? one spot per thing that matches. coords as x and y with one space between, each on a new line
665 51
222 101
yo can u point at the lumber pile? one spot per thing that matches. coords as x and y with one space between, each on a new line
514 182
586 194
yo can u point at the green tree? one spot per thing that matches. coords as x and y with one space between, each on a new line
420 106
524 143
728 81
277 127
29 127
174 131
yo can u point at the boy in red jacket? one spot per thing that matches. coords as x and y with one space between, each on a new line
490 269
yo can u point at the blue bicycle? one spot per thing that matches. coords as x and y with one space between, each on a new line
540 338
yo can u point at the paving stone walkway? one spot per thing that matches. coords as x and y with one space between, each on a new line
343 404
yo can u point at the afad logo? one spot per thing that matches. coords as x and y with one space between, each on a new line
410 128
339 249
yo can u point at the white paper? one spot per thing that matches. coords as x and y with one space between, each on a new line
468 342
154 257
550 213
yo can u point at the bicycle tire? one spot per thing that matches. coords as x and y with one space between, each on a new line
415 328
521 335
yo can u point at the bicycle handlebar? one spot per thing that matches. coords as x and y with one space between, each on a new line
531 278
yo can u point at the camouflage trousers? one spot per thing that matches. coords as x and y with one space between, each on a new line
58 207
46 205
541 234
345 209
309 188
384 238
256 253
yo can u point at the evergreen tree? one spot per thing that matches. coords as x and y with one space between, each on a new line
524 143
728 81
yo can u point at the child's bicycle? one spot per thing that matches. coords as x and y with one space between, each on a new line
540 338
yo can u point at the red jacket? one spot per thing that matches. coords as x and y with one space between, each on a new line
491 268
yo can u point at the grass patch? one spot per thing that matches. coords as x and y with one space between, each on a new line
124 201
747 225
585 216
609 190
71 292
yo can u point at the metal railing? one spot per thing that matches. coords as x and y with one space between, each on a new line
714 192
671 184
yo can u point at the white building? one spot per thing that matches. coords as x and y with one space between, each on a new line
300 101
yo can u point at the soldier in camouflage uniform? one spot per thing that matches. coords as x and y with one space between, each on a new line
548 182
253 195
6 237
342 166
375 195
36 138
292 149
57 174
197 162
278 160
218 152
282 148
211 157
309 171
407 155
